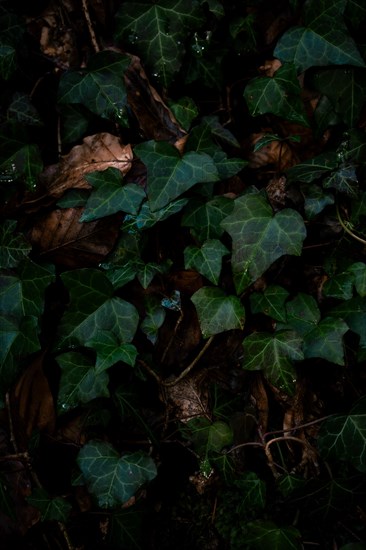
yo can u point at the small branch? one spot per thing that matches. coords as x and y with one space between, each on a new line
90 26
298 427
347 230
190 366
177 324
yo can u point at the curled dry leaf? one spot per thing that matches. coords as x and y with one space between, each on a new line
276 192
155 119
61 237
277 154
270 67
96 153
32 400
189 398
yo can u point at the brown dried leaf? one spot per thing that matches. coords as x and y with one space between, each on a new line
96 153
189 398
32 400
276 192
270 67
60 237
277 153
155 119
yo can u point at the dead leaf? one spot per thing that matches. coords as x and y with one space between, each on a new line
60 236
97 153
32 400
277 153
189 398
270 67
154 117
276 192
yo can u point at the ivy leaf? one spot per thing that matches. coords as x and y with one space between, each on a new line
253 491
110 196
279 95
228 167
343 437
345 87
146 218
185 111
358 270
307 48
266 535
52 509
271 302
80 381
110 350
274 354
302 313
314 168
260 237
155 316
326 340
315 200
23 111
344 180
169 175
19 338
205 217
100 87
93 308
339 286
8 61
157 32
146 272
353 312
13 246
120 276
207 260
208 436
217 312
110 478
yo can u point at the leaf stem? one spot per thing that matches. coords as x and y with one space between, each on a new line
190 366
347 230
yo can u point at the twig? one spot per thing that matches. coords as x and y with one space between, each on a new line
190 366
347 230
298 427
90 26
179 320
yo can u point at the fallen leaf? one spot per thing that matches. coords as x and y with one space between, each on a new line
270 67
32 400
276 153
189 398
60 236
97 152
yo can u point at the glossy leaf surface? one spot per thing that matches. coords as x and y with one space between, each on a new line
217 312
207 260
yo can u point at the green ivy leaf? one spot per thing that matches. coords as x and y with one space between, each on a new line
260 237
146 272
169 175
93 308
228 167
75 120
326 340
271 302
120 276
345 87
339 286
344 180
8 61
207 260
80 381
343 437
109 195
185 111
217 312
315 200
13 246
157 32
307 48
205 217
155 316
113 479
208 436
274 354
74 198
358 270
353 312
146 218
302 313
110 350
253 491
279 95
100 87
314 168
52 509
266 535
22 110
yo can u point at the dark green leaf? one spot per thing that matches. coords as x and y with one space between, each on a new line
169 175
217 312
253 491
343 437
52 509
8 62
279 95
157 32
207 260
127 528
326 340
266 535
315 200
339 286
303 313
205 217
208 436
155 316
80 381
13 246
110 478
260 237
109 195
353 312
274 354
74 198
271 302
314 168
23 111
358 270
185 111
110 350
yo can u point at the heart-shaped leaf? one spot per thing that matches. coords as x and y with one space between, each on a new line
113 479
274 354
110 350
271 302
217 312
13 246
326 340
169 175
207 260
260 237
266 535
205 217
52 509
